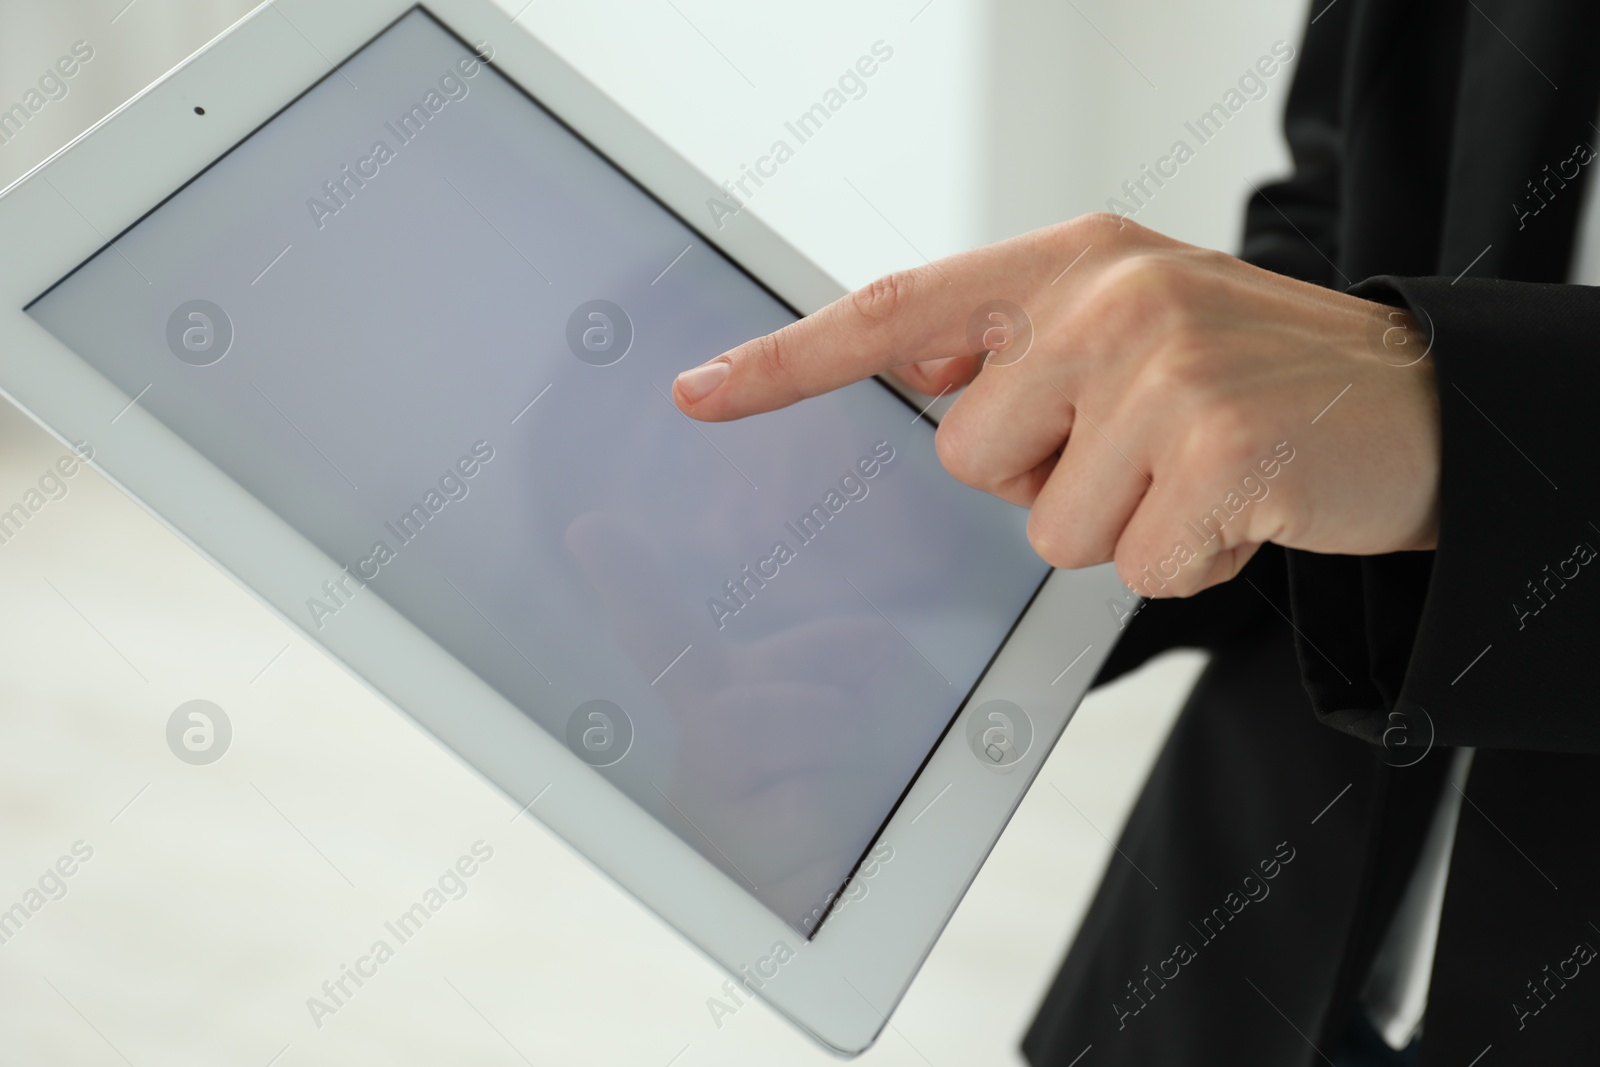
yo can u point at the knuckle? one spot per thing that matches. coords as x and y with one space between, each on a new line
1228 428
1130 574
774 355
1104 227
1148 572
1144 295
1152 278
1042 546
957 453
1177 374
1191 581
881 300
1055 545
1045 544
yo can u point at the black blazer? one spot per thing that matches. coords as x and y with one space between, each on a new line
1440 149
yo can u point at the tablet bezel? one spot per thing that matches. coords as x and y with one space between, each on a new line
839 986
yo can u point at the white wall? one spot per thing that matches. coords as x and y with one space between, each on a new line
1082 94
992 118
906 145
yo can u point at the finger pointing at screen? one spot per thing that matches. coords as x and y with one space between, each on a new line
1163 382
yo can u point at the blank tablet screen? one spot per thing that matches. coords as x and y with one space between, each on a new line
436 332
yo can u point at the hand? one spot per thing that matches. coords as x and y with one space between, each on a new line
1177 407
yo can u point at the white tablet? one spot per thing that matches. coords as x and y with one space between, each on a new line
392 342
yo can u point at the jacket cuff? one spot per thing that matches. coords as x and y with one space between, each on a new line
1486 640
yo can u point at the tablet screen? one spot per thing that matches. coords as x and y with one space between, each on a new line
436 332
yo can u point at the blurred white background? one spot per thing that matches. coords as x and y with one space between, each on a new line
219 898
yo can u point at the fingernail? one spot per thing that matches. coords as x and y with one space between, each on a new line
694 384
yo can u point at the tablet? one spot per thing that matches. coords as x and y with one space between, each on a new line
392 341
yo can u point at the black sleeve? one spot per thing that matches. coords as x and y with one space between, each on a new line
1291 227
1481 642
1485 641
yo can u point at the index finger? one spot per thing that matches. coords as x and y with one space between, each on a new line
905 317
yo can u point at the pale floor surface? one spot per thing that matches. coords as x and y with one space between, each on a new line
218 899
